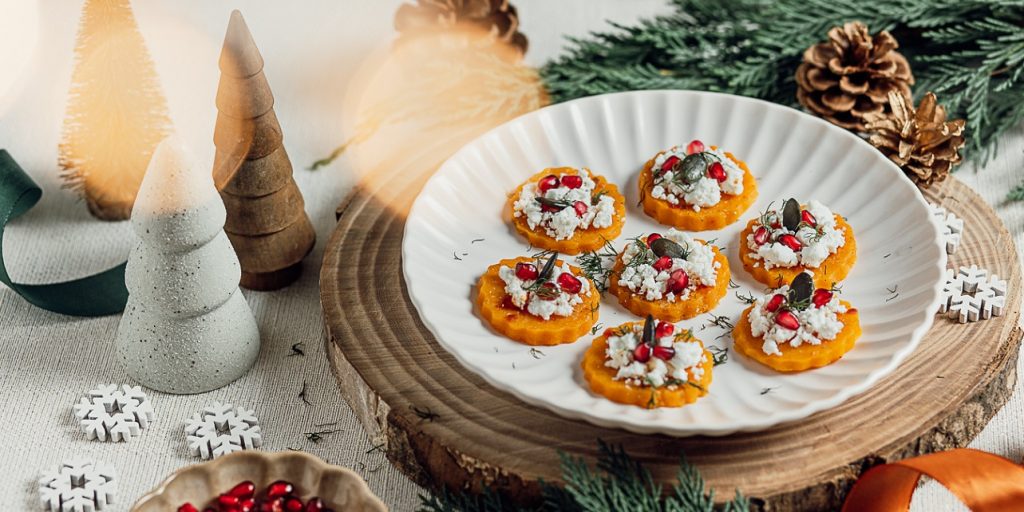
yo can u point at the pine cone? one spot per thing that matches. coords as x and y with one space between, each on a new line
850 76
921 142
498 17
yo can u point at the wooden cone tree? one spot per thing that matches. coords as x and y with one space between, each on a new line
116 113
267 221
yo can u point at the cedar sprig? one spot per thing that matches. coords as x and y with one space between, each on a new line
618 482
969 52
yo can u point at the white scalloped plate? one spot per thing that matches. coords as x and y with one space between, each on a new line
790 153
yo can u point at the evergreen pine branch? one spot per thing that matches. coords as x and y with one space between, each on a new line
1016 193
620 483
969 52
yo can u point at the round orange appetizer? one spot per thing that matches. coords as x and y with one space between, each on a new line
797 327
648 364
696 189
537 302
567 210
672 277
782 243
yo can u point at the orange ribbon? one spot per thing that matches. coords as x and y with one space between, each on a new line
983 481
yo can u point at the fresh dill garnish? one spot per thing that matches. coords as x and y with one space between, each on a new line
721 321
317 436
765 391
719 355
424 414
595 328
746 299
537 354
733 285
597 265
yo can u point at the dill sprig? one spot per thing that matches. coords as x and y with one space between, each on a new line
719 355
597 265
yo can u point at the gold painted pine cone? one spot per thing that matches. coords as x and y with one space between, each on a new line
496 17
921 141
850 76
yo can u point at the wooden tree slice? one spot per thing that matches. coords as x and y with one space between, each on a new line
395 376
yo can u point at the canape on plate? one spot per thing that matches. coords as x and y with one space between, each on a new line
696 188
783 242
567 210
648 364
797 327
671 276
542 301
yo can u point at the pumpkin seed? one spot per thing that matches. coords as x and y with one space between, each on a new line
665 247
791 214
800 289
648 337
549 267
693 168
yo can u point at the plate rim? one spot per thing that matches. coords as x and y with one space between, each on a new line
630 423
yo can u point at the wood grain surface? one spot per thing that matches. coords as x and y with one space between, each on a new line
391 371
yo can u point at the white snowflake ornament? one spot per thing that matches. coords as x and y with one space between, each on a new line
109 413
221 429
952 227
971 294
77 486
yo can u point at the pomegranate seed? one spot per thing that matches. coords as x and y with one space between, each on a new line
188 507
791 241
695 146
580 207
774 302
572 181
275 505
663 263
293 505
315 505
551 291
569 283
677 281
717 172
243 490
664 353
247 505
279 489
228 501
642 353
807 218
652 237
670 162
664 329
787 320
526 271
821 297
608 332
548 182
761 235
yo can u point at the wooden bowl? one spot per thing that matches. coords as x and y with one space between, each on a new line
340 488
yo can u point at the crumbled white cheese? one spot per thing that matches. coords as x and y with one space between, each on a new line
706 192
518 290
816 324
689 356
643 279
562 224
817 243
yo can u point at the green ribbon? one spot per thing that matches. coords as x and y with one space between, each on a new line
95 295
